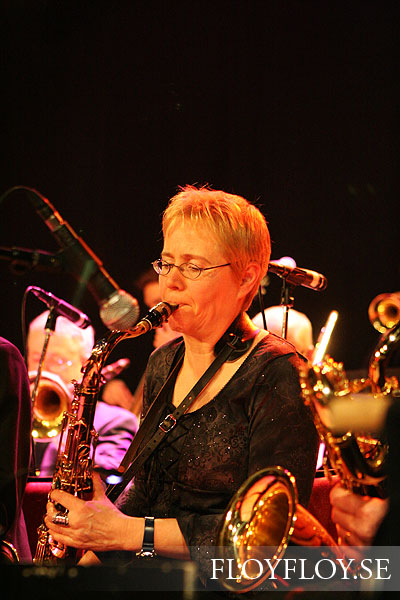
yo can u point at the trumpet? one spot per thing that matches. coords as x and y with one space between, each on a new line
384 311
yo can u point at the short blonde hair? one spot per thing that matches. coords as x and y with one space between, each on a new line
239 226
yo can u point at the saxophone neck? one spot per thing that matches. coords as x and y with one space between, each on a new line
92 370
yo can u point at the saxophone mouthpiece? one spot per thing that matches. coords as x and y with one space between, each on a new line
162 312
156 316
170 308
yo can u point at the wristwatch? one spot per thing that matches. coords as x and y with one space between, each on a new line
147 550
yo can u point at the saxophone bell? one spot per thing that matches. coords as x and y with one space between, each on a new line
359 458
263 517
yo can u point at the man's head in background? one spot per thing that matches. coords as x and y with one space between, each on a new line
68 350
299 330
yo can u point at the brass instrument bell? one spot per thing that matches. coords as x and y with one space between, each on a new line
384 311
52 398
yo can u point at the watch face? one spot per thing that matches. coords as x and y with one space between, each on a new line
146 554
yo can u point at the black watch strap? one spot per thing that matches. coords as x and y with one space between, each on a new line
147 550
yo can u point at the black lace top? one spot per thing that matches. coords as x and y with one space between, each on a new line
257 420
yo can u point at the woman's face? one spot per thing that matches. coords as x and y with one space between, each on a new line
209 304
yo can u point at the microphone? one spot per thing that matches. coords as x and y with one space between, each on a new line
32 259
285 260
61 307
118 309
155 317
298 276
288 261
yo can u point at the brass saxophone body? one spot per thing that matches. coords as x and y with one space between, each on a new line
359 458
74 463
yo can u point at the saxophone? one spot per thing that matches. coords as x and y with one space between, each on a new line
358 457
74 463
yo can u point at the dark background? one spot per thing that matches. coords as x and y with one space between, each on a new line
109 106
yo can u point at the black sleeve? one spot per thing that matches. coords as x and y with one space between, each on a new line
282 430
15 429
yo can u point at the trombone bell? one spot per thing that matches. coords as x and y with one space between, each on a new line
52 399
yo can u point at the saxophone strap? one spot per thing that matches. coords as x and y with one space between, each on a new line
136 457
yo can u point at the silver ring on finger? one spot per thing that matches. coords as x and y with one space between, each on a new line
61 519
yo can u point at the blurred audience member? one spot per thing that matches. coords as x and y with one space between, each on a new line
68 350
15 440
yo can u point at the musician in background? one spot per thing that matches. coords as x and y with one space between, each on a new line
15 448
364 520
299 329
68 350
148 283
357 518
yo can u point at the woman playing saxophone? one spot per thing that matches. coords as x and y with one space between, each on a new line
249 416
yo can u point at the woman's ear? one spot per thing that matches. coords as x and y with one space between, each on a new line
249 277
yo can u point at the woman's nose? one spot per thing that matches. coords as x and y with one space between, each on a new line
175 279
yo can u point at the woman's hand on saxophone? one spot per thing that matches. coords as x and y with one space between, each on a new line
94 524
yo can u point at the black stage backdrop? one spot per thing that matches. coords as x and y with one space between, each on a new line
108 107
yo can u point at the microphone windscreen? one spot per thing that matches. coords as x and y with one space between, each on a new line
286 261
121 311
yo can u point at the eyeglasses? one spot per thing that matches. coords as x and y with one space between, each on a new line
53 361
188 270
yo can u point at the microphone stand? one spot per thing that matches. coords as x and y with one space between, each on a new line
287 300
49 328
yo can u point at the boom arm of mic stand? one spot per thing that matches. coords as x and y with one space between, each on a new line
24 259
